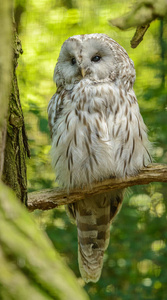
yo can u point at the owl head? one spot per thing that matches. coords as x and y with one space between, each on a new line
96 57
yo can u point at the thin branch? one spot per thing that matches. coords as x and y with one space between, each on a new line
139 34
51 198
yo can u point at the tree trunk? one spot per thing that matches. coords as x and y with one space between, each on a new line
16 148
5 72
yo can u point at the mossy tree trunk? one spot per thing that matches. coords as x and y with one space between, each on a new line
16 146
5 71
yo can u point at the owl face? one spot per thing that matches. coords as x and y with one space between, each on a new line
93 56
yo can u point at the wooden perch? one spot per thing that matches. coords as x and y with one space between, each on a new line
51 198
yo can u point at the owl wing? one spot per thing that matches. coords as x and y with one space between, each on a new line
55 107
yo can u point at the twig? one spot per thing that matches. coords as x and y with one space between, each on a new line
139 34
51 198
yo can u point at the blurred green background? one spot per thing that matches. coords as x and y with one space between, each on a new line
135 264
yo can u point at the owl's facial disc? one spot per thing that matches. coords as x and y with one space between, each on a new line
95 57
81 59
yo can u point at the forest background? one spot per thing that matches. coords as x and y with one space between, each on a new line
134 264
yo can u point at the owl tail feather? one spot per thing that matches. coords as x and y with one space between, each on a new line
93 217
90 265
93 223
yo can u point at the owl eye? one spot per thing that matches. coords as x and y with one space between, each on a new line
73 61
96 58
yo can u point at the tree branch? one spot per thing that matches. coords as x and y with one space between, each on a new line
51 198
142 13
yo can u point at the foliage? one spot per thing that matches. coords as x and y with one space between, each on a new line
135 262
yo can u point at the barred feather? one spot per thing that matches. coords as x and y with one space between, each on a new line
93 217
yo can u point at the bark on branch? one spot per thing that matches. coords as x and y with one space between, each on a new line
51 198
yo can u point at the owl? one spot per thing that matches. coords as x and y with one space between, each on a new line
97 133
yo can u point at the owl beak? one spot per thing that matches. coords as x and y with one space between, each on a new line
83 72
